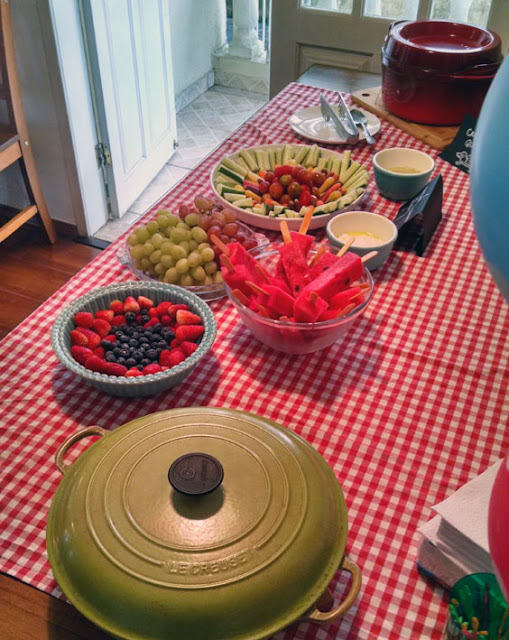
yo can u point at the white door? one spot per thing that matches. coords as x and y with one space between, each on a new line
350 33
131 75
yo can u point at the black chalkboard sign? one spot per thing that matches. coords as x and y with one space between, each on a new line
424 211
459 151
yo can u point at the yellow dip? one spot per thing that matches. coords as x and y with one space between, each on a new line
362 238
404 170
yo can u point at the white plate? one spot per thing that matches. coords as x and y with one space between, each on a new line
273 224
309 123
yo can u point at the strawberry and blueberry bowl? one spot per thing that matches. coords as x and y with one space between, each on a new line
134 339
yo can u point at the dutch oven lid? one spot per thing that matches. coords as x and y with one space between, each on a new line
441 45
196 523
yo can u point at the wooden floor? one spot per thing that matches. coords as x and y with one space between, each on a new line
31 269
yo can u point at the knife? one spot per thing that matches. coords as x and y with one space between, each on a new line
329 113
346 116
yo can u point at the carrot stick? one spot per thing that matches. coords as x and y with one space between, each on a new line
219 243
369 255
318 255
345 247
285 232
226 262
306 221
241 297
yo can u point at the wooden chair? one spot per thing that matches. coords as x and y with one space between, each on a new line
14 141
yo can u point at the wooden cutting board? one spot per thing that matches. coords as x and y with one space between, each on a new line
434 136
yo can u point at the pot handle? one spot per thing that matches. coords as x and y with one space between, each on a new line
71 440
315 615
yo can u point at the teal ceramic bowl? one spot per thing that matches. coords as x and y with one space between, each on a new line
141 385
400 173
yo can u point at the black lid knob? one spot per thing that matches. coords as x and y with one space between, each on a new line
195 474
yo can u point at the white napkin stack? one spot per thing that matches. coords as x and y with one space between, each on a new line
455 541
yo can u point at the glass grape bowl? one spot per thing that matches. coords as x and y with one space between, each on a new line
205 292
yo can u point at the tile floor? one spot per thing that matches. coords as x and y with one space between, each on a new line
201 126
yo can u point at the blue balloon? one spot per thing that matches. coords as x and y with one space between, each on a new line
489 179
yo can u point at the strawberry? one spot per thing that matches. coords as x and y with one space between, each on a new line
101 327
80 354
151 368
133 373
174 343
171 358
117 307
131 305
93 339
153 312
113 369
110 338
145 303
189 332
187 317
166 321
162 308
172 310
94 363
99 351
188 347
83 319
118 320
78 338
139 319
105 314
152 322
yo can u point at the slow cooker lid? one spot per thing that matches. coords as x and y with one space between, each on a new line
190 501
442 45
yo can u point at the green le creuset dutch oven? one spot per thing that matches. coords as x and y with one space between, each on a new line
198 523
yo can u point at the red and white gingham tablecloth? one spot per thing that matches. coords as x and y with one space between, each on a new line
407 407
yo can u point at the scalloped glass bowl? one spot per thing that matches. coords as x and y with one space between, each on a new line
141 385
297 337
205 292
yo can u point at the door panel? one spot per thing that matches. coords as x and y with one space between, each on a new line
350 33
130 59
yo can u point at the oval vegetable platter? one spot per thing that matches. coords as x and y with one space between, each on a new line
267 183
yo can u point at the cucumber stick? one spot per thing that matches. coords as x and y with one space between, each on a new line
345 163
250 159
234 166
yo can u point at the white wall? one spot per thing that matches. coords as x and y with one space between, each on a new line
198 28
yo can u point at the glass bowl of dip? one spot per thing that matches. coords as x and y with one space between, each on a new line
371 232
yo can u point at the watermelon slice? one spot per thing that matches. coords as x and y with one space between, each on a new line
322 264
239 256
309 307
343 298
304 241
337 277
279 300
295 266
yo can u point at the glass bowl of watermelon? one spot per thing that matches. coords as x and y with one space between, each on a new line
297 308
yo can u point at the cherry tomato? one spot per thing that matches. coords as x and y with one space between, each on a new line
285 179
263 186
318 178
304 177
313 201
285 199
282 169
276 190
294 189
269 176
305 198
295 170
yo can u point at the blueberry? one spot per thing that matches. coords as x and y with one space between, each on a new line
124 353
119 334
121 361
117 351
151 353
144 311
161 344
139 367
158 353
143 340
106 345
157 327
130 362
124 339
133 343
145 361
110 357
130 316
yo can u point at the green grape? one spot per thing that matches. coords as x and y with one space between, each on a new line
138 252
207 255
152 227
166 247
155 257
199 274
185 245
157 240
167 261
193 245
171 276
173 219
210 267
142 234
217 277
149 248
198 234
208 280
182 225
194 259
146 265
163 212
132 240
178 252
192 219
163 221
178 234
167 231
203 245
187 280
159 269
138 265
182 266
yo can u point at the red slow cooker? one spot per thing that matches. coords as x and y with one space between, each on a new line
435 71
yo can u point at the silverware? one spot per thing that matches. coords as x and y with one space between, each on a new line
346 116
360 119
329 114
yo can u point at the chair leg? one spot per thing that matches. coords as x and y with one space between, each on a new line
33 187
